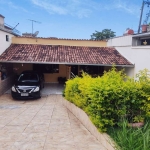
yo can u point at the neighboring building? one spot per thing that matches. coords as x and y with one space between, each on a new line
62 57
135 48
6 34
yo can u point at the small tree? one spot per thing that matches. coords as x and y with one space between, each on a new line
105 34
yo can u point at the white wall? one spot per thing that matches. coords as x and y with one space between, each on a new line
1 21
3 43
138 55
120 41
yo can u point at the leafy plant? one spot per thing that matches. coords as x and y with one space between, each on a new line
131 138
105 34
138 118
110 98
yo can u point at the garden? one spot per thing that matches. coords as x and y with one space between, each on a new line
116 104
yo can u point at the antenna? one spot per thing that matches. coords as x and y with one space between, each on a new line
15 26
35 34
32 23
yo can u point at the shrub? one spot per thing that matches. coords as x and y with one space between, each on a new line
144 79
109 98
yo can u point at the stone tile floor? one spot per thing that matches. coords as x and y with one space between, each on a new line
42 124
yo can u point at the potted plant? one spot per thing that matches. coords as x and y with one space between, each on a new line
144 27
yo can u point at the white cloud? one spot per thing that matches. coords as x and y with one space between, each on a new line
51 8
14 6
127 6
74 7
83 8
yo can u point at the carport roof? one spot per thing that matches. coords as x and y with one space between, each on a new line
60 54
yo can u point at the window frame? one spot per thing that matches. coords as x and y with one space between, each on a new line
7 38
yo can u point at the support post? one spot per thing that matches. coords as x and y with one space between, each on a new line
141 16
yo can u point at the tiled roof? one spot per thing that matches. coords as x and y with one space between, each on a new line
63 54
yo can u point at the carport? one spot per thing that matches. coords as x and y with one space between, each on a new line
59 62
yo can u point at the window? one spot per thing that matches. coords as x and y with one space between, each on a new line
139 41
7 38
46 68
145 42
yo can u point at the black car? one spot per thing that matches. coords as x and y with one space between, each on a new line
28 85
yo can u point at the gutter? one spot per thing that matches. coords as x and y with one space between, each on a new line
64 63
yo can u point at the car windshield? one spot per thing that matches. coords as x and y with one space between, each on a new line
28 77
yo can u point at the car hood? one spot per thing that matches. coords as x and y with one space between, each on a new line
27 84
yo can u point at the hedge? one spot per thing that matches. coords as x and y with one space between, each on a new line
109 98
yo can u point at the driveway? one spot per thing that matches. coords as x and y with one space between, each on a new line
43 124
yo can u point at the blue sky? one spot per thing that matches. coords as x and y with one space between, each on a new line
76 19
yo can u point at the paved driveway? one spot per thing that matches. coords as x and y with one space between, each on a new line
43 124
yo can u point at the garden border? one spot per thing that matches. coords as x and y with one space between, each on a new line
82 116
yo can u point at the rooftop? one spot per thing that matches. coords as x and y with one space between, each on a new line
61 54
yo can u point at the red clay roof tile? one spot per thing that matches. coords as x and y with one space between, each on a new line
63 54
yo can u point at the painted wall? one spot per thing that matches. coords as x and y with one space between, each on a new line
53 77
128 71
138 55
120 41
1 20
3 43
48 41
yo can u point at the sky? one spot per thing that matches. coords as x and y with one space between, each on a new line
72 19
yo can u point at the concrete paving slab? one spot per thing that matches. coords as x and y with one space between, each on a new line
42 124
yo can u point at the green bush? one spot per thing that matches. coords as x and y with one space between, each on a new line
109 98
144 79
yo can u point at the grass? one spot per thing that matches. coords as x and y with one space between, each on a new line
128 138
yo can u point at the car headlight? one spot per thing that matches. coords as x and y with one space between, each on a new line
13 89
37 89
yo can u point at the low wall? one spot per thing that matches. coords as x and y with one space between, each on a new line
82 116
6 84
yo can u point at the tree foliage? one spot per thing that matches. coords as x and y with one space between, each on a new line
105 34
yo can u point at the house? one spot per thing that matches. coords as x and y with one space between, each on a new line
62 57
6 34
135 48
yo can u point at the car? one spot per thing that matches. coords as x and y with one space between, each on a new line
28 85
